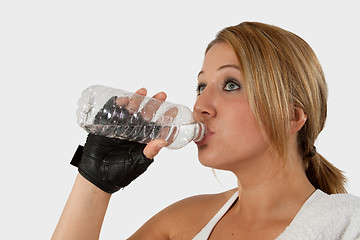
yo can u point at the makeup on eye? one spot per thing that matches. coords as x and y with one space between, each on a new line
200 87
230 84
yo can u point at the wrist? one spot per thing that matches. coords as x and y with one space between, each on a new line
89 187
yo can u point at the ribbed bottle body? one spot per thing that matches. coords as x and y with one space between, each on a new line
119 114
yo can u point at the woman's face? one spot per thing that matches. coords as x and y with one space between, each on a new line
234 135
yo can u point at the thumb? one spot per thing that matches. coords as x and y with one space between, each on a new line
153 148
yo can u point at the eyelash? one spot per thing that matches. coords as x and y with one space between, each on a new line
199 86
233 81
226 82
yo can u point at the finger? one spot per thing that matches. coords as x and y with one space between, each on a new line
168 132
160 96
168 116
148 112
141 91
122 101
153 148
136 100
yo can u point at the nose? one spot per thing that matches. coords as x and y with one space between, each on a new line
204 107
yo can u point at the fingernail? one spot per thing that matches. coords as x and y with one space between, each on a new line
160 145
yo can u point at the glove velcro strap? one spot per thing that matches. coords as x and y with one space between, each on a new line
77 156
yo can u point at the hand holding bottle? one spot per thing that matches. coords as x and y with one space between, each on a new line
111 163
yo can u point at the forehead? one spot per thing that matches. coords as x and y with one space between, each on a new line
220 54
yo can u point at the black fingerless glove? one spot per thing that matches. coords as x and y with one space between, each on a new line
110 163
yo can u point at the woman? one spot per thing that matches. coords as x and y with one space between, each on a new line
262 95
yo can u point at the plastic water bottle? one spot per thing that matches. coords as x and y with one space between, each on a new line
128 116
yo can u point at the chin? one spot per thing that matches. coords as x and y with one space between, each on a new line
214 161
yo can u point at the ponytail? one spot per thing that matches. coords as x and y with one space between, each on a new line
323 175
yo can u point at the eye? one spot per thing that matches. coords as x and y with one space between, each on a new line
200 87
231 85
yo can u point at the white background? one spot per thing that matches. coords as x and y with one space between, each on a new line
51 50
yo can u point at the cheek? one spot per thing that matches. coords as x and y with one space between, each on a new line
239 138
244 125
242 131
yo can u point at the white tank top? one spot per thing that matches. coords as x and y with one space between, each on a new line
205 232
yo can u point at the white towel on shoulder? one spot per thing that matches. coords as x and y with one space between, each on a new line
324 216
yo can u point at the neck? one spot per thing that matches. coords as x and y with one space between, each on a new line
282 188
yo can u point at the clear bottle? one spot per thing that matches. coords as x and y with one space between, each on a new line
119 114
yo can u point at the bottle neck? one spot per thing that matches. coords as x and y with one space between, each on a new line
200 131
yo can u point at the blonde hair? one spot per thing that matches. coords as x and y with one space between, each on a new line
281 71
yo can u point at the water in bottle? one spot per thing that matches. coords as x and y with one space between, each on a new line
119 114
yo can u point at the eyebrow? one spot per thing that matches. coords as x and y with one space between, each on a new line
222 67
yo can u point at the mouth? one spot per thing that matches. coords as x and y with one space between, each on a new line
208 134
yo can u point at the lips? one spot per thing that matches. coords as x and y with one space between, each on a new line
208 134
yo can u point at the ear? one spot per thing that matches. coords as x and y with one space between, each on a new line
297 119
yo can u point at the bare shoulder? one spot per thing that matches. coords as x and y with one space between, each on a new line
196 204
197 207
183 219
